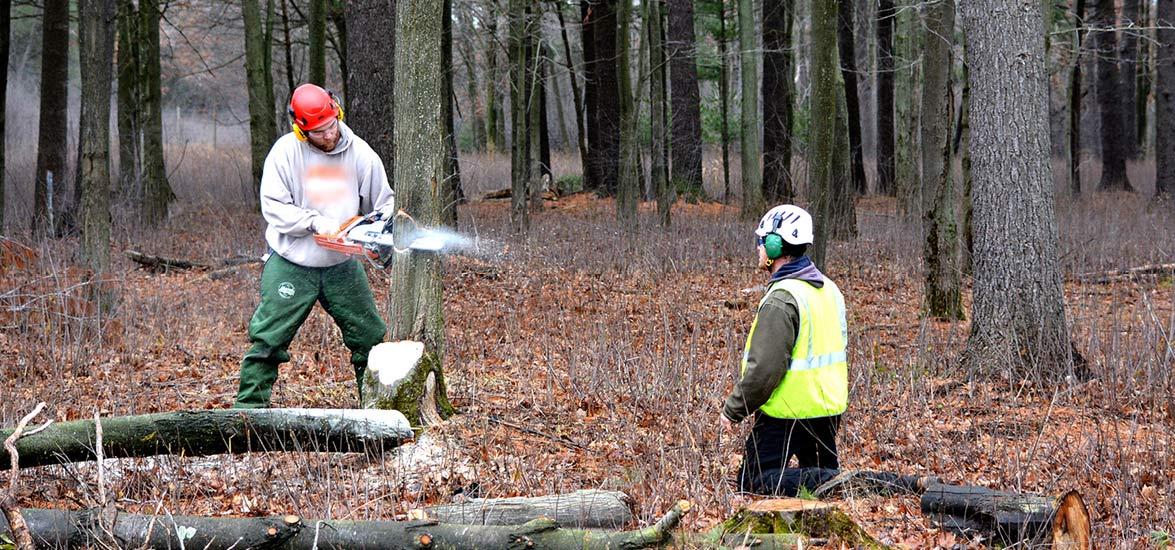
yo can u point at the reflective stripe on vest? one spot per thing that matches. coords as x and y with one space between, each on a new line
816 383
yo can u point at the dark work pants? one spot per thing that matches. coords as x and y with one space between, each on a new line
771 444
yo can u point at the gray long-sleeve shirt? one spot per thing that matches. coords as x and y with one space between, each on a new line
768 357
304 188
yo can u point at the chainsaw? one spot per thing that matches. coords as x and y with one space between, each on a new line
379 239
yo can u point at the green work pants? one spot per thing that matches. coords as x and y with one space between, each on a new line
288 293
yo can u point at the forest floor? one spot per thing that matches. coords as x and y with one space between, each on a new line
614 354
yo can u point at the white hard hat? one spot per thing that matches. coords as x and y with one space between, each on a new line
789 221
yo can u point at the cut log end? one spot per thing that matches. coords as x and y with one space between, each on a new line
1071 525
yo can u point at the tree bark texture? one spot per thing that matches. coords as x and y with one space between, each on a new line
262 126
841 217
5 28
1018 324
96 28
1110 102
942 295
778 100
822 147
792 516
494 139
129 116
370 108
213 431
628 192
724 96
522 103
51 134
686 110
907 94
885 97
1165 101
1010 519
1075 96
577 97
467 48
1128 66
422 169
451 194
157 194
316 51
848 68
603 94
66 529
582 509
752 174
658 103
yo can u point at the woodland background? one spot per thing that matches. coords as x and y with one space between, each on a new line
609 322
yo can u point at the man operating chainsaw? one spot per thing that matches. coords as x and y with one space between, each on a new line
315 178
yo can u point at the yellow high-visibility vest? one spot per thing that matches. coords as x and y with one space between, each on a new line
817 381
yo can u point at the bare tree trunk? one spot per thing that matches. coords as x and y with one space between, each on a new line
469 60
1128 68
157 194
841 218
521 91
1109 99
422 162
724 91
96 28
659 166
685 173
262 126
603 105
848 68
885 97
822 155
287 48
1075 94
451 194
907 96
1165 101
552 78
942 294
629 191
371 108
51 135
1018 316
5 28
778 98
129 117
752 174
316 52
580 133
494 138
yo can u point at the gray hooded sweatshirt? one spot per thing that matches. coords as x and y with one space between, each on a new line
304 188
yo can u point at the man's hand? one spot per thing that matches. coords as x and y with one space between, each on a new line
325 226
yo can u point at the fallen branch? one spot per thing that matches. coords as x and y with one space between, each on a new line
161 264
1009 518
209 432
66 529
581 509
1128 274
556 438
11 512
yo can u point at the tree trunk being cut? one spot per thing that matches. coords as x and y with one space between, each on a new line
66 529
210 432
581 509
1009 518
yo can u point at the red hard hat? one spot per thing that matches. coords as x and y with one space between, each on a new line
312 107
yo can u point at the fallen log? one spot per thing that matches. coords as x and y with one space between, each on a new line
217 431
794 522
1009 518
157 264
69 529
581 509
1128 274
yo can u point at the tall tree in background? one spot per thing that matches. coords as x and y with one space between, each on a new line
822 155
752 175
1018 325
96 29
942 294
1075 96
1115 140
157 194
262 126
5 27
129 116
602 94
522 88
316 53
659 164
581 131
628 192
778 97
51 138
466 46
1128 68
907 111
373 78
451 193
885 97
422 163
848 69
494 122
1165 101
685 111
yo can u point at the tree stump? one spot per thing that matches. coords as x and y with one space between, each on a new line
1009 518
401 376
776 523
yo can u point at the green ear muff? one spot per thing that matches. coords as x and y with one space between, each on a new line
773 245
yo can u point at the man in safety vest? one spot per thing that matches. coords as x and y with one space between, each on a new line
315 177
794 378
